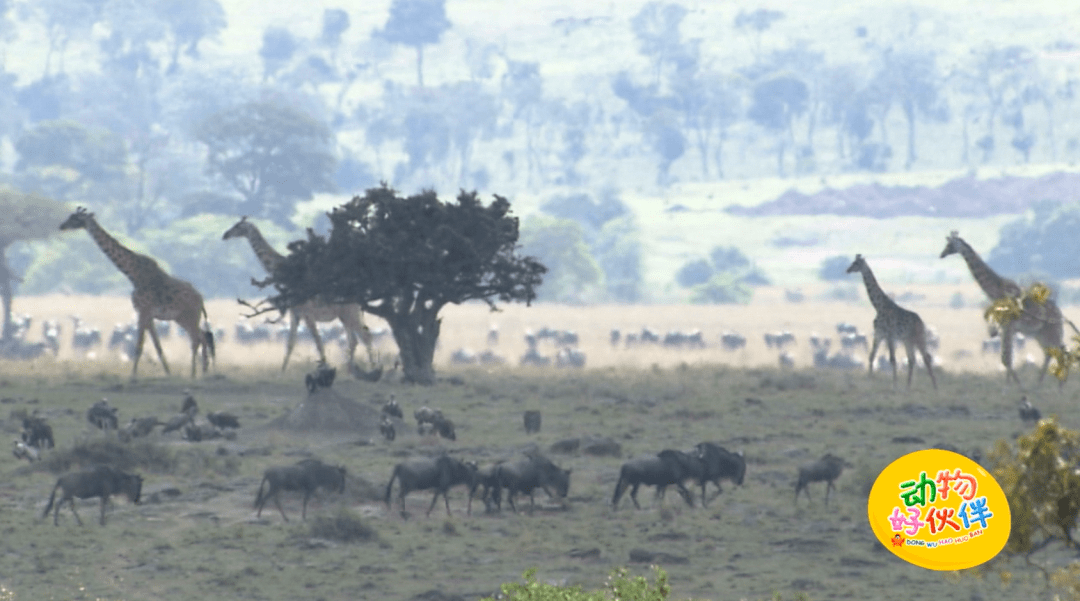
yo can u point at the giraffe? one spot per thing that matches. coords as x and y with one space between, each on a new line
350 315
1044 322
893 323
157 295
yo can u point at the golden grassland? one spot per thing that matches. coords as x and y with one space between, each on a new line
961 331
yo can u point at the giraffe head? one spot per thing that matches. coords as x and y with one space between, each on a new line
857 265
953 244
242 228
79 219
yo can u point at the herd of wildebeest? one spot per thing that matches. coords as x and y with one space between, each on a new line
706 462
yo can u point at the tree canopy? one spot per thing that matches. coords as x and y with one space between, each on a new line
416 23
272 154
404 259
26 217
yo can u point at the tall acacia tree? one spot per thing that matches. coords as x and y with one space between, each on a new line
25 217
404 259
416 23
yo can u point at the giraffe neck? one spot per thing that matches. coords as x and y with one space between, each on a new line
269 257
130 263
881 301
992 284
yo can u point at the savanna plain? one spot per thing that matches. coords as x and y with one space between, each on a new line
196 535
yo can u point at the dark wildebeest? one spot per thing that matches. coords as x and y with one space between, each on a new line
532 421
719 463
666 468
441 473
485 483
223 420
176 422
103 416
386 427
322 377
826 469
37 433
433 420
525 476
306 476
392 409
1028 412
139 426
99 481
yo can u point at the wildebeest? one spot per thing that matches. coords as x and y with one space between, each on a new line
532 421
306 476
103 416
432 420
827 469
1028 412
223 420
570 357
194 432
99 481
666 468
392 408
37 432
441 473
719 463
322 377
526 475
138 427
176 422
386 428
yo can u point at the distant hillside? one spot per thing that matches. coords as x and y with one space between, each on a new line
963 197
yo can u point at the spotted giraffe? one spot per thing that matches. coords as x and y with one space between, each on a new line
157 295
313 311
893 323
1044 322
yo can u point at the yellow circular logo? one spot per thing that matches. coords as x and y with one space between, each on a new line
939 510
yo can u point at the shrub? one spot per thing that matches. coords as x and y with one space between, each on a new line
619 586
345 527
139 453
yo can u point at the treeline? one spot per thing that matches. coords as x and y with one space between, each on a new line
165 141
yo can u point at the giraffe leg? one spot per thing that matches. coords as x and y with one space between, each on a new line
892 358
314 329
873 352
294 323
909 348
139 339
1006 355
353 320
157 346
929 361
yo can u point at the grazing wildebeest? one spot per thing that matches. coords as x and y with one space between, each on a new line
666 468
306 476
441 473
1028 412
386 427
99 481
223 420
176 422
322 377
392 408
719 463
432 420
526 475
826 469
139 426
532 421
102 416
485 482
37 433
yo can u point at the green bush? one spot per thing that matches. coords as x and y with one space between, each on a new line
620 586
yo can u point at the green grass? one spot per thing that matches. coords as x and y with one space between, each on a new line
752 542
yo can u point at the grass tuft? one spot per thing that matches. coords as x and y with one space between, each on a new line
140 453
344 527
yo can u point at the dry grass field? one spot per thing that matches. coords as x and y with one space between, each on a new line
961 330
197 536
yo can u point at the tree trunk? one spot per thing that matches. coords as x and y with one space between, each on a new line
420 65
6 295
416 334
